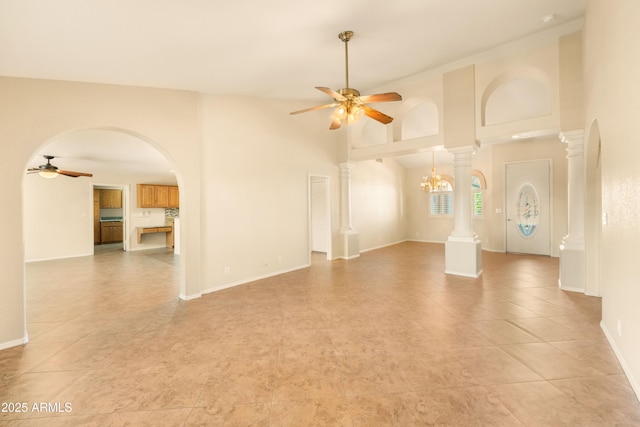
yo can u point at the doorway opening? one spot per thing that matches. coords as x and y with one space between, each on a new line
60 215
319 218
110 205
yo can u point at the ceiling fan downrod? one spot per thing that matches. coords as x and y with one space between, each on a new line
345 36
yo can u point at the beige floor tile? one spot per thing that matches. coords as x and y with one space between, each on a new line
166 417
550 362
304 378
239 381
251 414
491 365
502 332
614 401
383 339
542 404
373 374
434 370
546 329
385 410
595 354
313 412
65 421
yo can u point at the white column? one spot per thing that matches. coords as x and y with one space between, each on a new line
350 238
463 250
572 266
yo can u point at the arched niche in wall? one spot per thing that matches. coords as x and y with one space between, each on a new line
418 117
371 133
516 95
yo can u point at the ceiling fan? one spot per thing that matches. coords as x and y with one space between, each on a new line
350 105
50 171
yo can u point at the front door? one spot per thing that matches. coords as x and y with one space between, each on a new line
528 207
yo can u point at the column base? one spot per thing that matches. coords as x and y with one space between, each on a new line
351 244
463 257
572 267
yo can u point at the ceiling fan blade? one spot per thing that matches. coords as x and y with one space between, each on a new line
74 174
319 107
332 93
377 115
382 97
335 123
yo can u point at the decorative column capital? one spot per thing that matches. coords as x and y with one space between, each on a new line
345 169
463 155
575 142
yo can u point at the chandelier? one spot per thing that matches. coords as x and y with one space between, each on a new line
434 182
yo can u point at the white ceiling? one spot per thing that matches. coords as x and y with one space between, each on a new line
276 48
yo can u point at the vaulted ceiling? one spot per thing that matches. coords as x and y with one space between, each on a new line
276 49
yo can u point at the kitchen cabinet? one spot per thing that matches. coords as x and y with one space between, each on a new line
96 216
157 196
110 199
174 197
111 232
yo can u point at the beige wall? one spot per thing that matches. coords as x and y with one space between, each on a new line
612 99
256 163
378 203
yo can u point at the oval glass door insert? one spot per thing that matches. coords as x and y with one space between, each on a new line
527 210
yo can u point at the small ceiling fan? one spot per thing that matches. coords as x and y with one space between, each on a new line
50 171
350 105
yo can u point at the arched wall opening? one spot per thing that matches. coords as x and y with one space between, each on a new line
113 156
70 226
37 110
593 211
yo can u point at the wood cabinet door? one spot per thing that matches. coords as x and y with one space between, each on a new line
174 197
110 199
146 196
162 196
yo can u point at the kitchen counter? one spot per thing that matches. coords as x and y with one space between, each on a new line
157 229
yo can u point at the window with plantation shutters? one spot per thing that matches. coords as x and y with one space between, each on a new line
476 197
442 202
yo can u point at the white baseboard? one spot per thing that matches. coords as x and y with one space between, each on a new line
60 257
190 297
625 367
251 279
14 343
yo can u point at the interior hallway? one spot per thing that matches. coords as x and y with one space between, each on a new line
384 339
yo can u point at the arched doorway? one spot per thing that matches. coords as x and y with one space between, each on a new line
58 211
593 211
58 214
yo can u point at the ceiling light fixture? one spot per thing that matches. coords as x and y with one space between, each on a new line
350 106
434 182
49 174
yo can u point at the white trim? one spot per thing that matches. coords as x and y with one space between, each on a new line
60 257
190 297
455 273
14 343
383 246
625 367
251 279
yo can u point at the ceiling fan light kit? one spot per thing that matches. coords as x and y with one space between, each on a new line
50 171
350 106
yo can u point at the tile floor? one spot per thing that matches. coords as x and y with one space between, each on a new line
384 339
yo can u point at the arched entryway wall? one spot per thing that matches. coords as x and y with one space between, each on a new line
33 111
593 211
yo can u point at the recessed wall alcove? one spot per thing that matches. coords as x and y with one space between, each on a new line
516 95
